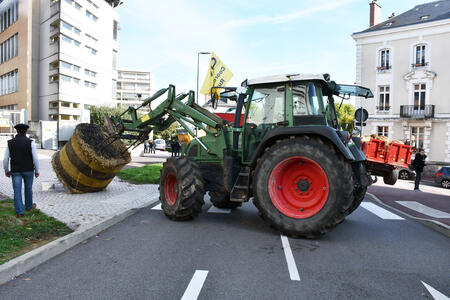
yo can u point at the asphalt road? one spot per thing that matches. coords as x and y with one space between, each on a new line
220 255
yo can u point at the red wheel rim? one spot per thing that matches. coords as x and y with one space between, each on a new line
170 188
298 187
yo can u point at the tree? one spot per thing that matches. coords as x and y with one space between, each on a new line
168 133
345 115
97 113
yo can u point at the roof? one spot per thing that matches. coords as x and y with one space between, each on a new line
423 13
285 78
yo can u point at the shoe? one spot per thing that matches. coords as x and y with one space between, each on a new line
19 216
32 207
417 190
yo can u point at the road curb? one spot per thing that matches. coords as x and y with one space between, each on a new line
436 225
32 259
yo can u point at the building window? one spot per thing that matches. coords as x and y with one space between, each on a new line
91 50
90 84
9 14
9 48
90 73
417 134
70 27
114 60
69 40
419 96
8 83
419 56
385 63
91 16
383 101
10 107
383 131
115 28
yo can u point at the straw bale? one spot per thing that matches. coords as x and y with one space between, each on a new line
89 161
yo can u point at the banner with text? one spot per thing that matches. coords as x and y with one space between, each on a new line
218 75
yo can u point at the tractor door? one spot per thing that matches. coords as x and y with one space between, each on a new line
265 110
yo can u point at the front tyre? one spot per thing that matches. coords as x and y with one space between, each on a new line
302 187
391 177
181 189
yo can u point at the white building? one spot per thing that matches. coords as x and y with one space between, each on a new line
133 87
404 61
78 59
57 58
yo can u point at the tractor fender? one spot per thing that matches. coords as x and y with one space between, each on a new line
357 153
324 132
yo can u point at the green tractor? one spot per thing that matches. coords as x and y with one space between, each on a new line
288 153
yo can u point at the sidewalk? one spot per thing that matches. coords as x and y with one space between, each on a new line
82 209
87 214
431 204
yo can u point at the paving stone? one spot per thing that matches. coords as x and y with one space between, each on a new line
81 209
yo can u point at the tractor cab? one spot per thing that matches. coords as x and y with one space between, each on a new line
278 104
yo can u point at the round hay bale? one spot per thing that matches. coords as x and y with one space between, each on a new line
86 163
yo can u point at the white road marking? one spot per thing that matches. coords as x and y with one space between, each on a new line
292 267
380 212
195 286
157 207
423 209
214 209
435 293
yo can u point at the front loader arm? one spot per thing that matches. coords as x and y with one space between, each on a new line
170 110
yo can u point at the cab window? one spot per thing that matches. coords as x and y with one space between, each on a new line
267 105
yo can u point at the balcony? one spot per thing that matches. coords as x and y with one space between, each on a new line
417 112
384 68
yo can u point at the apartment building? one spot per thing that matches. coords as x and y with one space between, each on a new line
19 32
58 58
78 59
133 87
404 60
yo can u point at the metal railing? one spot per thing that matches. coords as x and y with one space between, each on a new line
417 111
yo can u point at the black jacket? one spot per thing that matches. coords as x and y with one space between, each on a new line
419 162
20 153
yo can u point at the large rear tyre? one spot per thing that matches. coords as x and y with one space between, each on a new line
181 189
302 187
391 178
222 200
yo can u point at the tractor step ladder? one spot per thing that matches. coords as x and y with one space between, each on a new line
240 190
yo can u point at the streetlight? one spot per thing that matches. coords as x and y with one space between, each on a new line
198 58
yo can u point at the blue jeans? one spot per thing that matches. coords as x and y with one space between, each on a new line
27 178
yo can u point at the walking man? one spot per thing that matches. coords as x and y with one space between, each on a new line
24 165
419 163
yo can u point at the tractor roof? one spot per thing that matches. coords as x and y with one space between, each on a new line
285 78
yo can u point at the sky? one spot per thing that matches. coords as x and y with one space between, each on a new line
252 38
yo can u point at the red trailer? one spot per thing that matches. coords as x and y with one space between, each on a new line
383 158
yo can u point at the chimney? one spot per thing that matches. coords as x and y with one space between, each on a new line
375 12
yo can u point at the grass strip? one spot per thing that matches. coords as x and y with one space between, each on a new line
145 174
18 236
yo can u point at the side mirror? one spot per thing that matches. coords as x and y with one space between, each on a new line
214 100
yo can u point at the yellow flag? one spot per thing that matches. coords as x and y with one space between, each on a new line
218 75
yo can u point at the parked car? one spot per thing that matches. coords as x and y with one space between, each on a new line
442 177
406 174
160 144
